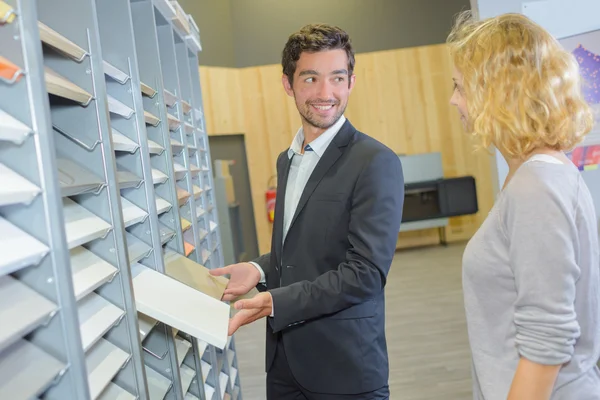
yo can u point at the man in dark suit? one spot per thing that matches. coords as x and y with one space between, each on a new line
338 209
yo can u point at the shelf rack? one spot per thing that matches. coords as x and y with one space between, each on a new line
108 188
39 335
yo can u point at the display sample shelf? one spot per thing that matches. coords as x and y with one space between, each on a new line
108 224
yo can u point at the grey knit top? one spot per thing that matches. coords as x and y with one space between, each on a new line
531 283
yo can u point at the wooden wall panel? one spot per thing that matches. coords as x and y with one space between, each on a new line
222 100
401 98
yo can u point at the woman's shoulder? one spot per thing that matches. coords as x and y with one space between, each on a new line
540 189
536 180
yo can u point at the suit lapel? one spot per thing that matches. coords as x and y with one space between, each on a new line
330 156
280 204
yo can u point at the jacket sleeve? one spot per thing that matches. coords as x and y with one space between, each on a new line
263 264
375 216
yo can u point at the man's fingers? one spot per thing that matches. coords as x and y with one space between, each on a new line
228 297
234 324
220 271
236 290
257 301
233 292
247 304
242 318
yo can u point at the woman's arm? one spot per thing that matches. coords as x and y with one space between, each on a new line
533 381
540 227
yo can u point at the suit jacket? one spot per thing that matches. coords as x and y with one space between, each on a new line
327 280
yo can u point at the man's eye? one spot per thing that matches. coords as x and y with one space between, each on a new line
309 80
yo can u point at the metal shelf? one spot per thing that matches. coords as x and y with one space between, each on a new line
103 362
197 191
187 376
174 123
60 43
137 249
62 87
183 346
155 148
7 13
170 98
9 71
26 371
202 345
89 271
81 225
146 325
132 214
176 146
75 179
95 184
24 307
166 234
186 107
162 206
118 108
185 225
13 130
158 385
127 180
151 119
209 391
158 177
115 392
18 249
147 90
123 143
115 73
96 316
189 128
180 171
182 196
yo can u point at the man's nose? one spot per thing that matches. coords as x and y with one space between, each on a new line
324 90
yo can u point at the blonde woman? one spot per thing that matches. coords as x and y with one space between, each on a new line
531 272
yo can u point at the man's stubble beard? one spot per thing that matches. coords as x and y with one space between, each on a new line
307 115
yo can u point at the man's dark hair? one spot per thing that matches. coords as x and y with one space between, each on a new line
314 38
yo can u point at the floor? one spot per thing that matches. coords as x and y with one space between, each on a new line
426 333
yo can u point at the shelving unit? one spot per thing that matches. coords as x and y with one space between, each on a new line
39 332
107 186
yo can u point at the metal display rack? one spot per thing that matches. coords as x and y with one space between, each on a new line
106 197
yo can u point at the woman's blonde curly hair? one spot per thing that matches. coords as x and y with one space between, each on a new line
523 90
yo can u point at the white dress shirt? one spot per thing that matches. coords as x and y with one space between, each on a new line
301 168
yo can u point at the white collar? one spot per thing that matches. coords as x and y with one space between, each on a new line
320 144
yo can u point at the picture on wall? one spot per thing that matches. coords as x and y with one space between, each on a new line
586 49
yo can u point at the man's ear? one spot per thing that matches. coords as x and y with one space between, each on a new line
287 86
352 82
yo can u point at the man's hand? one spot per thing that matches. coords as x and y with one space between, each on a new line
252 309
244 277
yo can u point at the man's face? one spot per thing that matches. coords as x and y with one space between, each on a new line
321 87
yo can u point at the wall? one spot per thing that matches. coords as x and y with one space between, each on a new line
372 25
233 147
243 33
213 18
401 98
562 17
